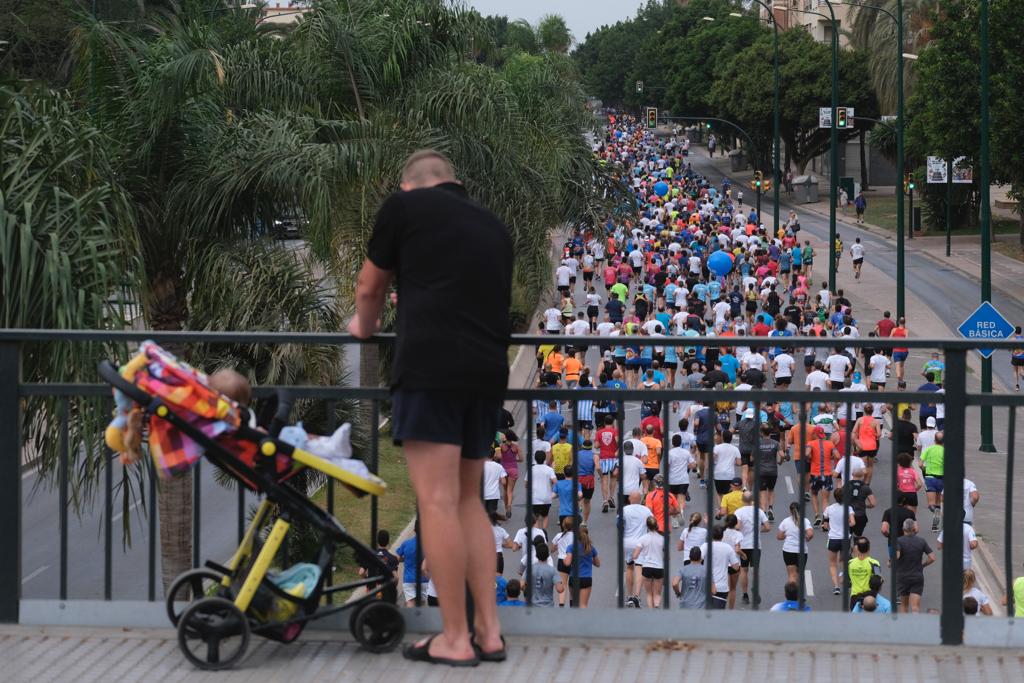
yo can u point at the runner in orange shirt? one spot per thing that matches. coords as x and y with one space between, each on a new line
572 366
655 502
819 451
652 464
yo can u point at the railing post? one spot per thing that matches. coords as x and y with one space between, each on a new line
10 481
954 442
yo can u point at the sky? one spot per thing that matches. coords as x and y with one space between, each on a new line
582 16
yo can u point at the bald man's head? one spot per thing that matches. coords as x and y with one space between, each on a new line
426 168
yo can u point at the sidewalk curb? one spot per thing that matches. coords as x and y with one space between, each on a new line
988 572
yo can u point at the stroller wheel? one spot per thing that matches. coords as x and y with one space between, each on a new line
213 634
189 587
378 626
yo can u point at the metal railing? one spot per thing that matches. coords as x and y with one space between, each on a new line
13 392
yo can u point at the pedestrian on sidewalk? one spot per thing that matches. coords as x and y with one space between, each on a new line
445 468
1017 357
844 200
860 204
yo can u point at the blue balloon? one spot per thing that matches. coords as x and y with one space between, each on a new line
719 263
661 189
618 134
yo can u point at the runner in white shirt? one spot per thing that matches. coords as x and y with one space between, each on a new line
754 360
833 524
745 524
680 463
634 526
971 498
857 254
632 466
837 365
520 542
562 276
856 463
723 558
970 543
650 555
816 379
789 533
543 488
879 366
693 534
727 459
605 327
782 369
722 310
553 319
494 483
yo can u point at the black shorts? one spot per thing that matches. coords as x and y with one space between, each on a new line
878 386
652 573
910 586
563 568
859 523
858 261
678 489
869 454
651 473
501 563
903 498
822 482
793 559
768 482
723 486
1017 362
636 270
542 510
491 505
783 381
835 545
446 417
588 493
750 557
592 311
588 275
670 365
836 386
586 424
584 582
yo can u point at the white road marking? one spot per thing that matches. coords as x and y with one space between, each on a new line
808 583
131 507
789 485
34 574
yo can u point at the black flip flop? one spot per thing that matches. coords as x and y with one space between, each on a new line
495 656
421 653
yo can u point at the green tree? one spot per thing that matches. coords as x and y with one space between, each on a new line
553 34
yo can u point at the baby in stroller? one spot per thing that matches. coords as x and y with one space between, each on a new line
336 448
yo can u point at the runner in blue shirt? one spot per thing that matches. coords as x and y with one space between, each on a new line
584 554
730 365
563 488
407 554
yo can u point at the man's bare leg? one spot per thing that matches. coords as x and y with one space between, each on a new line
478 539
434 470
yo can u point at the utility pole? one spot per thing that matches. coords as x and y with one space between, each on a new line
987 441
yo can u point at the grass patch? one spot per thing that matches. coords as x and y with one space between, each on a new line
394 509
1012 249
881 211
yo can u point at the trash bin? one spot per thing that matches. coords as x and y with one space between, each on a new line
805 187
737 160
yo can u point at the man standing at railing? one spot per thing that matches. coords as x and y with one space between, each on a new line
449 374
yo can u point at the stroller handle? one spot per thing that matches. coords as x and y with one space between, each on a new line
285 400
111 376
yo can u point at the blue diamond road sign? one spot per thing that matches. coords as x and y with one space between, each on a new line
985 323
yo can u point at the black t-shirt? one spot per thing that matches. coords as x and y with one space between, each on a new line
616 310
856 492
905 433
912 551
714 376
793 312
753 377
453 262
896 528
768 456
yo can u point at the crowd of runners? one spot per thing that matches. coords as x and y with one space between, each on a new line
698 262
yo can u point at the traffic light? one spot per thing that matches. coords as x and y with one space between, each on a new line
758 180
841 120
708 125
652 117
908 183
766 185
912 183
639 87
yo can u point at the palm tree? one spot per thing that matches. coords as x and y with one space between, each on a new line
553 34
215 128
876 33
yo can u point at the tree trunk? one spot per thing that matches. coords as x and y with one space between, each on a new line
166 310
863 159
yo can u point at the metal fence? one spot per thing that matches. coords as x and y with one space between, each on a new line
951 623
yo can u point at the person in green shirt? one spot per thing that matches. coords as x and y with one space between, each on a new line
622 290
934 366
860 570
1018 597
933 461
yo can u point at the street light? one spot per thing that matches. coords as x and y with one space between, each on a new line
900 171
776 135
833 157
987 442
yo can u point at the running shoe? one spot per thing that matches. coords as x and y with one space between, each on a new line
687 496
936 520
836 590
771 514
746 599
611 503
703 484
807 496
817 520
604 506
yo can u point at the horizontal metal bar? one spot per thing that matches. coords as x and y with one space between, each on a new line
64 389
947 343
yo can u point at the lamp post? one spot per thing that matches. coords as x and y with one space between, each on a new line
987 442
776 135
833 157
900 247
